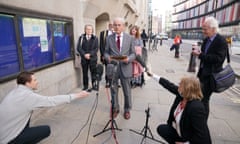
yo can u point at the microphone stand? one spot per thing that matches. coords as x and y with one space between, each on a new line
112 122
146 129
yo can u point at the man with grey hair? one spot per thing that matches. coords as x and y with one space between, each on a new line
88 49
211 55
120 45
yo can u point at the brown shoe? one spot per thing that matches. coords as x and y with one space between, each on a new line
127 115
115 113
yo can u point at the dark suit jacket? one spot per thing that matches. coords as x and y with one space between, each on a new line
193 123
103 36
213 60
84 46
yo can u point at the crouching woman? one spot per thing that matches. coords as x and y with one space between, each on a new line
187 121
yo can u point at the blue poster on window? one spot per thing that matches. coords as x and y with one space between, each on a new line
35 36
9 61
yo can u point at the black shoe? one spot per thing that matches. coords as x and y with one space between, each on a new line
85 88
119 85
89 90
94 88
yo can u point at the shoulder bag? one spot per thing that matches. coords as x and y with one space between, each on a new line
225 78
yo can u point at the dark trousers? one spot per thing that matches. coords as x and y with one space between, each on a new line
85 67
106 77
168 133
206 91
144 43
177 51
32 135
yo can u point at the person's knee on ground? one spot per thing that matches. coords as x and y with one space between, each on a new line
32 135
43 133
167 132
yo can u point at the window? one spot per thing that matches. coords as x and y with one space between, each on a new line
61 40
35 36
31 41
9 61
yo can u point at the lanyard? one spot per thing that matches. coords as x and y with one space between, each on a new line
180 108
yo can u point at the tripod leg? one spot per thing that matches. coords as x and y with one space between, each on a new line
107 124
115 124
150 132
112 124
143 130
146 129
142 140
104 129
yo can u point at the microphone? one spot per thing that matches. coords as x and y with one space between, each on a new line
99 72
98 76
111 69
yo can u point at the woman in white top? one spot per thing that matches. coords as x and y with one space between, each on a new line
187 121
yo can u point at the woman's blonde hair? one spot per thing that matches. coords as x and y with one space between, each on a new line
191 88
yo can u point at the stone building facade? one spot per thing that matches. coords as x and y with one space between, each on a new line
63 77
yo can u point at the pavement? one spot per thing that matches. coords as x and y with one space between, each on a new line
79 121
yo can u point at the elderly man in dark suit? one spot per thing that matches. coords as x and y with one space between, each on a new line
121 44
103 36
211 55
88 48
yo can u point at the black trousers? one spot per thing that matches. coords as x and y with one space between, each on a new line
85 67
108 81
207 92
177 51
32 135
144 42
168 133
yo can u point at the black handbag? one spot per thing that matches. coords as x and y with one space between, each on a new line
225 78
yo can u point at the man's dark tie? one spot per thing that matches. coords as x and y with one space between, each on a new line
118 42
207 45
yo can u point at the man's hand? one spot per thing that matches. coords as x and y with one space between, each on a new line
125 60
196 52
82 94
87 56
149 74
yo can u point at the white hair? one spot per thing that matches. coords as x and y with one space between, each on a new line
212 22
119 19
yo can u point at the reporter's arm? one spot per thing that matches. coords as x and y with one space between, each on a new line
79 95
154 76
165 83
